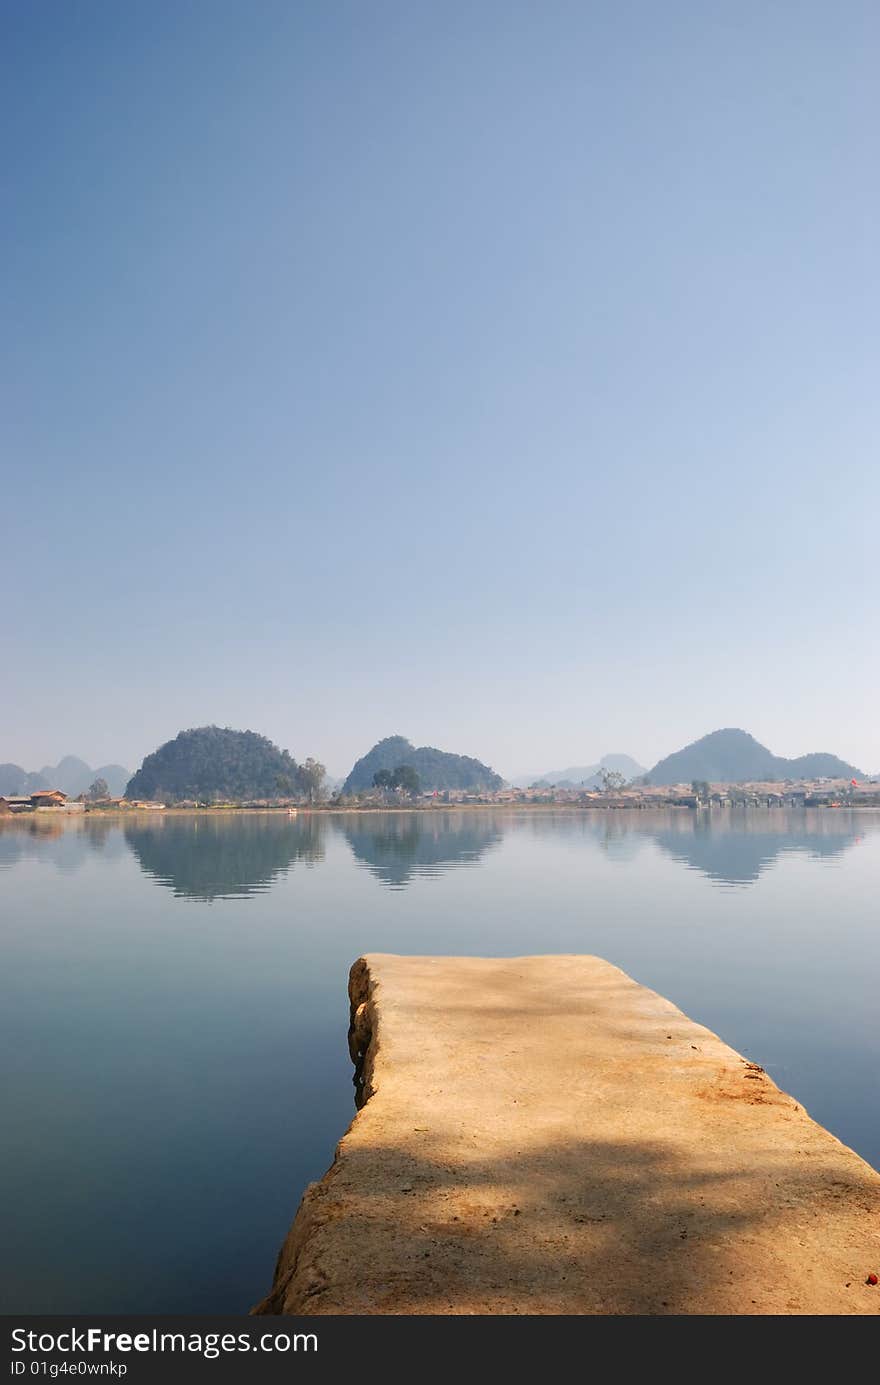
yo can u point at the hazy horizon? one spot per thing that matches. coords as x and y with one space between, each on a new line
503 376
507 771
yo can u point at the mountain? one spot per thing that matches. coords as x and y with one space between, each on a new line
734 757
15 780
589 775
115 776
437 769
216 764
71 775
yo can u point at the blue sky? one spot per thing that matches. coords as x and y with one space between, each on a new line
500 374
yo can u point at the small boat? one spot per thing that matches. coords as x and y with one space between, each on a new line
292 812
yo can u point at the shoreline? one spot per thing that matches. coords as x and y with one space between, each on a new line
373 810
326 810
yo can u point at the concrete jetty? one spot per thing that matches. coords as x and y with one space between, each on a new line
545 1135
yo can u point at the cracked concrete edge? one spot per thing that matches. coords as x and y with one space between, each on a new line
363 1044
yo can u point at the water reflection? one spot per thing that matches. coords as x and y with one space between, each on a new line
395 846
732 848
212 857
104 837
735 849
230 856
60 841
137 1049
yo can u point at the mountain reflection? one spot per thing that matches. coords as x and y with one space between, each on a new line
731 847
737 848
395 847
210 858
231 856
39 835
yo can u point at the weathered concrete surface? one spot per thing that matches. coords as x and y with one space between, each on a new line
544 1135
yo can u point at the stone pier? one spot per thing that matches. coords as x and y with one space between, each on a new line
545 1135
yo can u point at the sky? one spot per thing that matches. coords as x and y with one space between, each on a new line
501 375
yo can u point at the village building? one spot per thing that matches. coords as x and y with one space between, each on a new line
40 801
48 798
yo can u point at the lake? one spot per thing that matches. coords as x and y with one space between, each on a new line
174 1010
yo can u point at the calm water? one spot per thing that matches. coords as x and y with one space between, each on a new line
174 1010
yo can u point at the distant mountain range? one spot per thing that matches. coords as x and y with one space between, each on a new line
732 756
229 761
71 775
437 769
577 776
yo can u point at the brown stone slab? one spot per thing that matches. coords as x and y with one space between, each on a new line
545 1135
